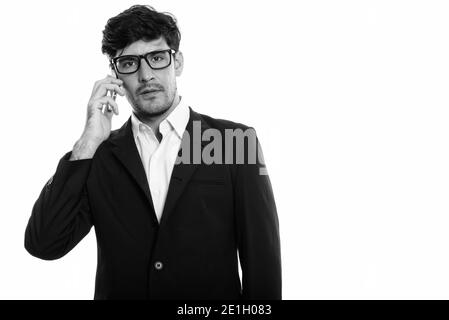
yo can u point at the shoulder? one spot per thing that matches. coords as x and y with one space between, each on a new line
222 124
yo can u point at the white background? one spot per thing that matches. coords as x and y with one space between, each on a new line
349 99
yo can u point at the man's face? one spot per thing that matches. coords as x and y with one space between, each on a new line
151 104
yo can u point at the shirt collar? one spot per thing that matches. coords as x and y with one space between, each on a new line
177 119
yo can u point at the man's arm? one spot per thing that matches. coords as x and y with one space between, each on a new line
258 232
61 215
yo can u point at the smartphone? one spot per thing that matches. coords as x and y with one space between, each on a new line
111 93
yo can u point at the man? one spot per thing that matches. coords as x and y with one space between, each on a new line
167 226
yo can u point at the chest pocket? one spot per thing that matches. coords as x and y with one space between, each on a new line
212 176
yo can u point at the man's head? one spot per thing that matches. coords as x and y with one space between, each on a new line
151 89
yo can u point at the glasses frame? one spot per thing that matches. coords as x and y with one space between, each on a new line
113 62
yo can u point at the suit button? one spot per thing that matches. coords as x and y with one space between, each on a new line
158 265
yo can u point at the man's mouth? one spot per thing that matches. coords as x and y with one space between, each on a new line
148 91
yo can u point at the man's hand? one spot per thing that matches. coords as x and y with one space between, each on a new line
98 120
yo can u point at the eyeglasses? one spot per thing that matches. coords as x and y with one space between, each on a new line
131 63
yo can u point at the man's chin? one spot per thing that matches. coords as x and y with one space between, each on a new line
153 108
157 113
153 112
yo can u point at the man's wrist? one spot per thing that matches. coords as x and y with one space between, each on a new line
84 148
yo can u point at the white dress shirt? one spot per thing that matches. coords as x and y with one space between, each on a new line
157 158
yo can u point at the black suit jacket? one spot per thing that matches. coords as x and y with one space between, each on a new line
212 213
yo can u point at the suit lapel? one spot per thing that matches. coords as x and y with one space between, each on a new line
182 173
124 148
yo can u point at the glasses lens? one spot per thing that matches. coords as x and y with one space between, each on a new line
127 64
159 60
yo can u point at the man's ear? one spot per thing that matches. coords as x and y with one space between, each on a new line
179 63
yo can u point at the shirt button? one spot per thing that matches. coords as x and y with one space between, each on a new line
158 265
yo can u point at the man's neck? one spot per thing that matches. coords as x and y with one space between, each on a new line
154 122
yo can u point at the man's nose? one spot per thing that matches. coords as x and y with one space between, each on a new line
145 71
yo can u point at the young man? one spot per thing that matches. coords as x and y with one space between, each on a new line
167 225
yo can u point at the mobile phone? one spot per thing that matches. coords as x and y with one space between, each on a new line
111 93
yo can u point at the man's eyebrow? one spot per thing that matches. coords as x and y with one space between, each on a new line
152 51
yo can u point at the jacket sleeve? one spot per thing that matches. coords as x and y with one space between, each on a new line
60 217
257 230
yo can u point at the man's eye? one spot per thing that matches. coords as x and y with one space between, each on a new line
158 58
127 63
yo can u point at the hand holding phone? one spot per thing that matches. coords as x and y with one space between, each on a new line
102 106
100 109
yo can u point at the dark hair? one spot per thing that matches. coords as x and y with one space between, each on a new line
139 23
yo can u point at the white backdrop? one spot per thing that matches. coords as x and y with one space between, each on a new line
350 101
